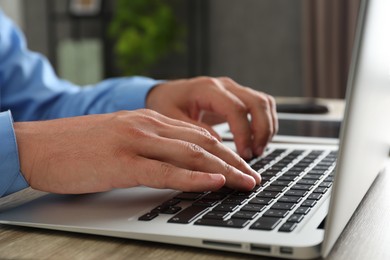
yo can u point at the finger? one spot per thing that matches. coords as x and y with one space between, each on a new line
179 119
178 114
191 156
274 114
162 175
201 137
261 110
217 99
205 140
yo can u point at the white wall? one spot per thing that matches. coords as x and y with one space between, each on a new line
14 9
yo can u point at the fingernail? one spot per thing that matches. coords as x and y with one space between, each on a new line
250 180
217 177
248 153
256 176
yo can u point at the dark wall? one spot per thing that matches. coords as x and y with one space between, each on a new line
256 42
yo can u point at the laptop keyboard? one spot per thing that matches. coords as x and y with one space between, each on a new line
293 181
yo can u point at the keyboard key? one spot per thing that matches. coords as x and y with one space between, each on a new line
261 201
281 183
298 169
233 223
276 213
166 207
215 215
316 172
171 210
273 188
205 202
287 178
309 203
265 179
296 193
189 195
235 200
288 227
171 202
289 199
276 168
257 188
188 215
245 214
246 194
312 177
321 168
302 210
321 190
265 223
226 207
159 209
295 218
268 194
315 196
325 184
301 187
307 182
253 207
148 216
215 196
281 205
292 173
329 179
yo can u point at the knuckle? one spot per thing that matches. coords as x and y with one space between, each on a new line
240 108
239 163
263 101
195 151
271 100
209 82
192 176
207 138
227 168
165 173
227 80
206 80
137 132
150 112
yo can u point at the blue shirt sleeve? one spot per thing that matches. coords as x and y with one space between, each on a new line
30 90
11 179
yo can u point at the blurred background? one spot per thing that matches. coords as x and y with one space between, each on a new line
283 47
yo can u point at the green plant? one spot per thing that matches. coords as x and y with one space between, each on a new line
144 31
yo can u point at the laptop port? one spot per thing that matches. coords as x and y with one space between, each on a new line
220 244
261 248
286 250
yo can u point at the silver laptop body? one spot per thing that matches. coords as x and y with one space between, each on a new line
363 149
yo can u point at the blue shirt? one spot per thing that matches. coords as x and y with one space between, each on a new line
30 90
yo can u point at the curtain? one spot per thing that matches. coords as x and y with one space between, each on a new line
328 36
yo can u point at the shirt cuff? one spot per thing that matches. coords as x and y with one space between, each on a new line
11 179
131 93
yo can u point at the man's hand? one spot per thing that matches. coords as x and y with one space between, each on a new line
126 149
187 100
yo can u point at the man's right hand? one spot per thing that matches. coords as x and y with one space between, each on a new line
125 149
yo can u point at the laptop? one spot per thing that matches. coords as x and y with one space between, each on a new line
309 191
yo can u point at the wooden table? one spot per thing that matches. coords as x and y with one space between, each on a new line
367 236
